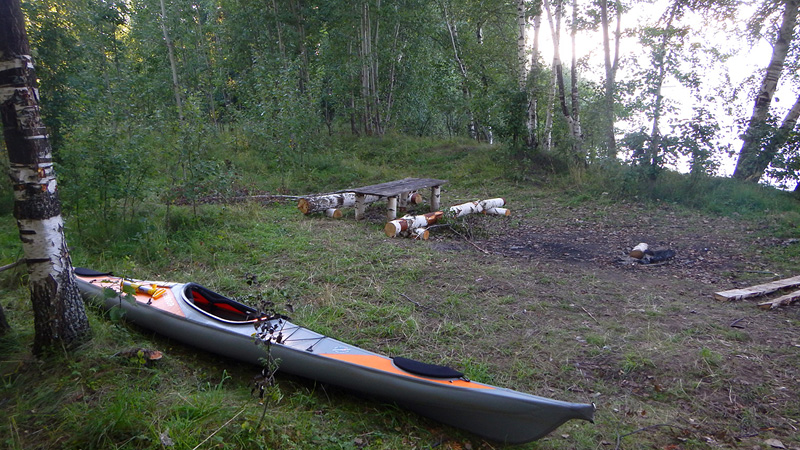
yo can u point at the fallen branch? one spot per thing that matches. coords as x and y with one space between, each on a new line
485 252
590 315
619 437
12 265
735 323
218 429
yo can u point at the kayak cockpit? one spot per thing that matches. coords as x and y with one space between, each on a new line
217 306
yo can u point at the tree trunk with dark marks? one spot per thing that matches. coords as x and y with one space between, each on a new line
4 326
751 163
59 314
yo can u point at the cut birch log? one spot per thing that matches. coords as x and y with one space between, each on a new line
475 207
318 203
409 223
421 234
785 300
755 291
639 251
497 211
334 213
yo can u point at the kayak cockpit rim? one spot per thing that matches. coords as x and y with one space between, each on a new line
217 306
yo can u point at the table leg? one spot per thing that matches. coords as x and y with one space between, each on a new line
360 205
391 211
436 195
402 202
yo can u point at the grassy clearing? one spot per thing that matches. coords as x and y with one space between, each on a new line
647 345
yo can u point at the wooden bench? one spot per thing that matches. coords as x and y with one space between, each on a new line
396 193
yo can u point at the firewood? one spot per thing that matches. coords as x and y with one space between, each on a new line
758 290
319 203
784 300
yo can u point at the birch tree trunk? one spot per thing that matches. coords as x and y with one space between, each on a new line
747 166
660 63
58 311
571 114
611 69
176 87
462 68
577 131
777 140
522 60
532 122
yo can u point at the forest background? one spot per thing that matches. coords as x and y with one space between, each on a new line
135 85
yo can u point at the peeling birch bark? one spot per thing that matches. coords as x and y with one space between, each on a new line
334 213
410 223
475 207
58 311
497 211
318 203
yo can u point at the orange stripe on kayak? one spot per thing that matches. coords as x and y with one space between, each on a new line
385 364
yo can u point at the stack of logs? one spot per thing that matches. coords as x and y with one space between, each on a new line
417 226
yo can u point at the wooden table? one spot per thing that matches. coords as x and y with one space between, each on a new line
396 193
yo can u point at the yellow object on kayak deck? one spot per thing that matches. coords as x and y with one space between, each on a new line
149 289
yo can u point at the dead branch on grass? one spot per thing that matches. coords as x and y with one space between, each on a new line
12 265
218 429
647 428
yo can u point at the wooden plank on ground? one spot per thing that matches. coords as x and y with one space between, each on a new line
785 300
755 291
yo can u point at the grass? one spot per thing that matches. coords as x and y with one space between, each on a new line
645 345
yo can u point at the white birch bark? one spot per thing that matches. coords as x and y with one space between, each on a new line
318 203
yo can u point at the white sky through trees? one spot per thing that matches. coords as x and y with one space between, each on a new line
744 69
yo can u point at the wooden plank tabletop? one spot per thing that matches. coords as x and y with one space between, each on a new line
394 188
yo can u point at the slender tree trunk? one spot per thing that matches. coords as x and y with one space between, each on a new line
577 131
297 8
522 60
777 140
609 119
748 166
392 78
4 326
279 31
571 114
453 32
660 63
58 311
176 87
554 20
532 122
